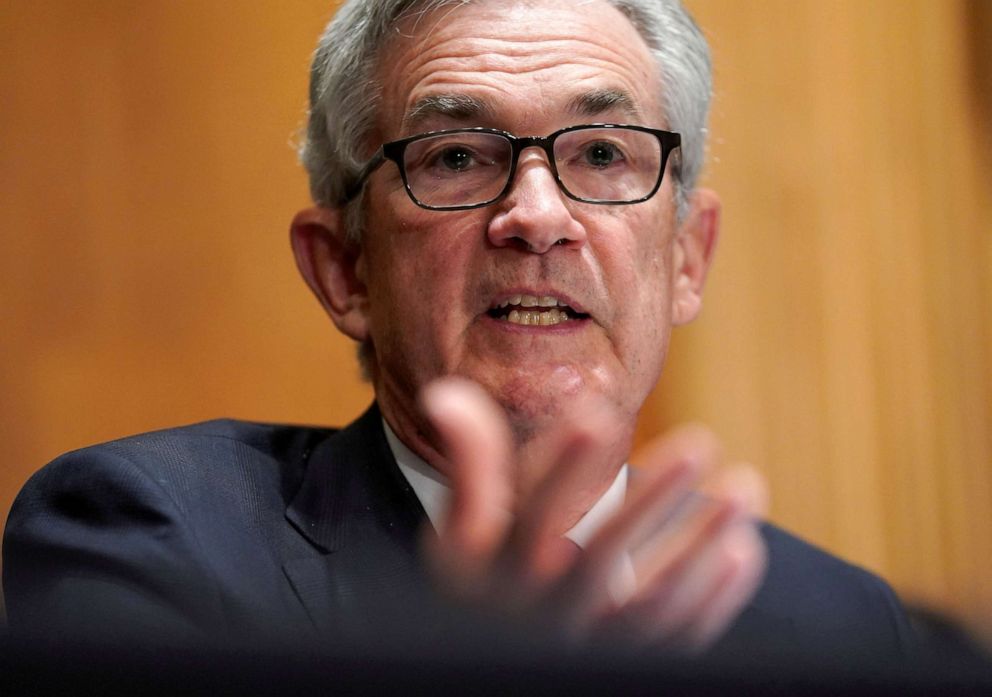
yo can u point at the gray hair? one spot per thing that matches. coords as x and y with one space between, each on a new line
344 96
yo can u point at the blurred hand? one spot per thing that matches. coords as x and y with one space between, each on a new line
688 528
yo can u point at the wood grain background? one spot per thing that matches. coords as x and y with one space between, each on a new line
147 179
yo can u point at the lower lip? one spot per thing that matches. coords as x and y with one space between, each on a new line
566 327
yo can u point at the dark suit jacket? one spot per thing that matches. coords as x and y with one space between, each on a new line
281 533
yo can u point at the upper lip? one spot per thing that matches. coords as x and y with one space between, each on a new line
542 297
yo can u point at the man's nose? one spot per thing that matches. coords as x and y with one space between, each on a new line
533 214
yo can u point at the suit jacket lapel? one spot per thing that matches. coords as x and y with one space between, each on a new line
356 508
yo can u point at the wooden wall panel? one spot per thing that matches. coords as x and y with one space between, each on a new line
846 344
147 180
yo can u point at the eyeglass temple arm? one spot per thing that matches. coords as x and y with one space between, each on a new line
356 187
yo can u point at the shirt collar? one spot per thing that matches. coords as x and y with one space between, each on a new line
432 490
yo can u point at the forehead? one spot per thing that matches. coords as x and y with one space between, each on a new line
507 62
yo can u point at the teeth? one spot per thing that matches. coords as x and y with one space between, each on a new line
520 314
532 318
532 301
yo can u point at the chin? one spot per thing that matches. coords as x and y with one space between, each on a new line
539 398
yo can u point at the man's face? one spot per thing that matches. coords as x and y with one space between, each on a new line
438 283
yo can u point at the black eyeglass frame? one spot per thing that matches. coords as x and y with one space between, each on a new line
394 151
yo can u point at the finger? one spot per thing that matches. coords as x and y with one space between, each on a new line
585 463
680 552
743 483
690 450
674 465
697 555
734 493
746 559
673 600
737 490
476 442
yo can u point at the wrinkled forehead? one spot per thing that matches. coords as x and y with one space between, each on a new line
491 61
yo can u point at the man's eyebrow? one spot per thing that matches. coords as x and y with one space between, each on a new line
459 107
600 101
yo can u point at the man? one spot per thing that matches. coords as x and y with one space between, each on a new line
507 223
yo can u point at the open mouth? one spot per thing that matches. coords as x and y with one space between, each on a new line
544 311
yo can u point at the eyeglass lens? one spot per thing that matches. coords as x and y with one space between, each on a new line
595 164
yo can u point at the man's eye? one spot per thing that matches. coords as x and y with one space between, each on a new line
602 154
455 159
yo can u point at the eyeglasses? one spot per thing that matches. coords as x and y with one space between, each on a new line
467 168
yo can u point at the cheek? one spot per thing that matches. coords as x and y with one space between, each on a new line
418 275
642 284
642 271
656 284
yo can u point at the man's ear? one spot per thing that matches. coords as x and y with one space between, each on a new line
333 268
694 246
